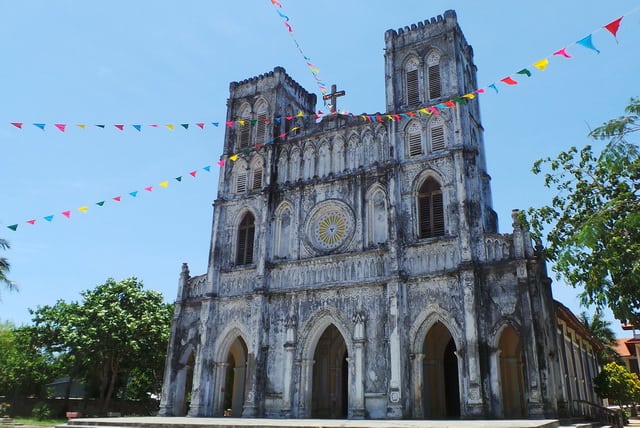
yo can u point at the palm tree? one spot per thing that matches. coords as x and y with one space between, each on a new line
4 267
601 330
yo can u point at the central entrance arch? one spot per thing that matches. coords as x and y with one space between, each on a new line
441 393
235 379
330 398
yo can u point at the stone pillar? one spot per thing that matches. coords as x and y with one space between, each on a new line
474 407
238 389
357 410
417 380
201 394
220 371
394 404
496 386
306 388
290 324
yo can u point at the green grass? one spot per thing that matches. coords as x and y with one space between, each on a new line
43 423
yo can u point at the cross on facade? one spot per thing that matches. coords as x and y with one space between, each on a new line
333 96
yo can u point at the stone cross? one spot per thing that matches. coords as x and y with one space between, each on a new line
333 96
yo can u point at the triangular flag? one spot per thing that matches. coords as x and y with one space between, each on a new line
254 122
60 126
495 88
185 125
17 124
234 157
562 52
480 91
137 127
221 162
525 72
449 103
134 193
154 125
100 126
13 227
149 188
83 209
193 173
179 178
67 214
170 126
300 114
469 95
200 125
40 125
230 123
207 168
117 198
120 127
587 42
509 81
31 221
164 184
613 27
542 64
101 203
48 218
216 124
81 125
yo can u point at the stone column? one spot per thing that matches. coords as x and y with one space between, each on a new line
306 388
394 404
474 401
417 380
220 371
359 339
201 394
290 324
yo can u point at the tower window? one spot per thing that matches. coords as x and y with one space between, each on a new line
430 210
412 83
256 179
414 139
244 127
246 232
433 75
436 134
241 182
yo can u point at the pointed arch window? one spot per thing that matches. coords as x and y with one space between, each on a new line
256 175
414 139
246 233
244 128
261 123
430 209
412 81
436 134
434 75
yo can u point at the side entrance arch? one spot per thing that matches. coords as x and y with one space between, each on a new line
330 397
233 385
511 374
441 393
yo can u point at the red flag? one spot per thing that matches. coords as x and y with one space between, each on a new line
117 198
450 103
193 173
60 126
67 214
120 127
562 52
613 26
200 125
31 221
230 124
221 162
509 81
17 124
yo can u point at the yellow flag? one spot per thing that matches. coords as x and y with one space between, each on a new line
81 125
170 127
164 184
542 64
424 110
241 122
83 209
300 114
294 129
234 157
469 95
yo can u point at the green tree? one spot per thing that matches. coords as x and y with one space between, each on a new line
116 332
25 368
617 384
5 266
594 217
601 330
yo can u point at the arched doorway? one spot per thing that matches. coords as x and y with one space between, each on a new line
511 374
330 376
440 375
235 379
184 384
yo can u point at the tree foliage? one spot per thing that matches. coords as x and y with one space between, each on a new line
617 384
118 332
5 266
594 217
601 330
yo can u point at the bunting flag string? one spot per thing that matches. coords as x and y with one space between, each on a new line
315 71
511 80
84 209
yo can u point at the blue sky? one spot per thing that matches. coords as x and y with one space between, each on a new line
123 62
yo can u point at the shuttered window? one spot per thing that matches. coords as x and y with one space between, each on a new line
241 182
261 128
430 210
414 139
256 183
433 76
246 233
437 138
413 89
244 136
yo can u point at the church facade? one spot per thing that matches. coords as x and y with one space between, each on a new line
355 268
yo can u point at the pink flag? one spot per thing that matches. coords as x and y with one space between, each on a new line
148 189
31 221
286 24
117 198
67 214
120 127
276 3
230 123
200 125
221 162
17 124
480 91
60 126
613 27
562 52
193 173
509 81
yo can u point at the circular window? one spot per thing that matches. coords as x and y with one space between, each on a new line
330 225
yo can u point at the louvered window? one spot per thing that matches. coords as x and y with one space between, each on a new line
244 137
256 183
246 232
413 90
261 128
414 139
241 182
433 75
430 210
437 138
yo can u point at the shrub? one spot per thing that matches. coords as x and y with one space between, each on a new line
41 412
4 410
